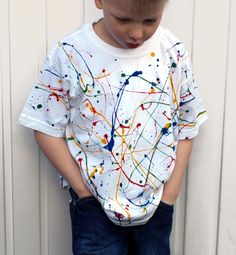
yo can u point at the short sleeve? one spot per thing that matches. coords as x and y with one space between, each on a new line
191 110
47 106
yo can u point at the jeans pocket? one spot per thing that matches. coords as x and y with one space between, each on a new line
86 199
166 206
74 197
76 200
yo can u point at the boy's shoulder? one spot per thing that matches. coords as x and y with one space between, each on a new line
70 39
170 42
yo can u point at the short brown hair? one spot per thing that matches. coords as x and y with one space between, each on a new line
139 5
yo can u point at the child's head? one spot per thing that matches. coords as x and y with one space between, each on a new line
129 23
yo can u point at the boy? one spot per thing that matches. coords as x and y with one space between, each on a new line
115 109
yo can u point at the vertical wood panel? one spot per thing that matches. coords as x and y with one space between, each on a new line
63 17
25 18
3 22
59 230
2 212
209 55
6 163
227 229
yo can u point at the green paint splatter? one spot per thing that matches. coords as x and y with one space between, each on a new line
174 65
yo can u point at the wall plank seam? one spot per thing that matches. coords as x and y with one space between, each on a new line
43 187
6 129
193 29
223 127
188 168
3 219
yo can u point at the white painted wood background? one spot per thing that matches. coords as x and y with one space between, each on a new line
34 212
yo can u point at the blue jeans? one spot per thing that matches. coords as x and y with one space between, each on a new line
94 234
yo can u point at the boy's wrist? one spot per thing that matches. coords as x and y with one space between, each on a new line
84 192
171 200
169 195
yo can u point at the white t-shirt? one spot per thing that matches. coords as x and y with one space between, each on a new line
122 112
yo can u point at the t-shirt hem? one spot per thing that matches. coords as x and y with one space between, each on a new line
145 219
34 124
192 133
136 223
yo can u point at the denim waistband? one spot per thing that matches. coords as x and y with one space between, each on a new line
73 194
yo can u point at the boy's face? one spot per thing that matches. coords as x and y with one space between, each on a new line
124 27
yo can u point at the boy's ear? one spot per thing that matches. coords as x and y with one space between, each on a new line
98 4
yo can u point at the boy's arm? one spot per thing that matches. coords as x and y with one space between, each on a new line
172 187
56 150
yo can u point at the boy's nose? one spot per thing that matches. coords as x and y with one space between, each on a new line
136 34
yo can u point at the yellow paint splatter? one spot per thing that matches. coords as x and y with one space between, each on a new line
101 171
93 173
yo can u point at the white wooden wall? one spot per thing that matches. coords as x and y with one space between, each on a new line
34 212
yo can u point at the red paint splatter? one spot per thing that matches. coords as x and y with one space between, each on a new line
127 207
106 137
164 113
54 88
169 165
145 108
123 126
186 95
119 216
95 123
55 95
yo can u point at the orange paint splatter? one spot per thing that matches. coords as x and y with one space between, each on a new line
153 54
92 109
104 141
